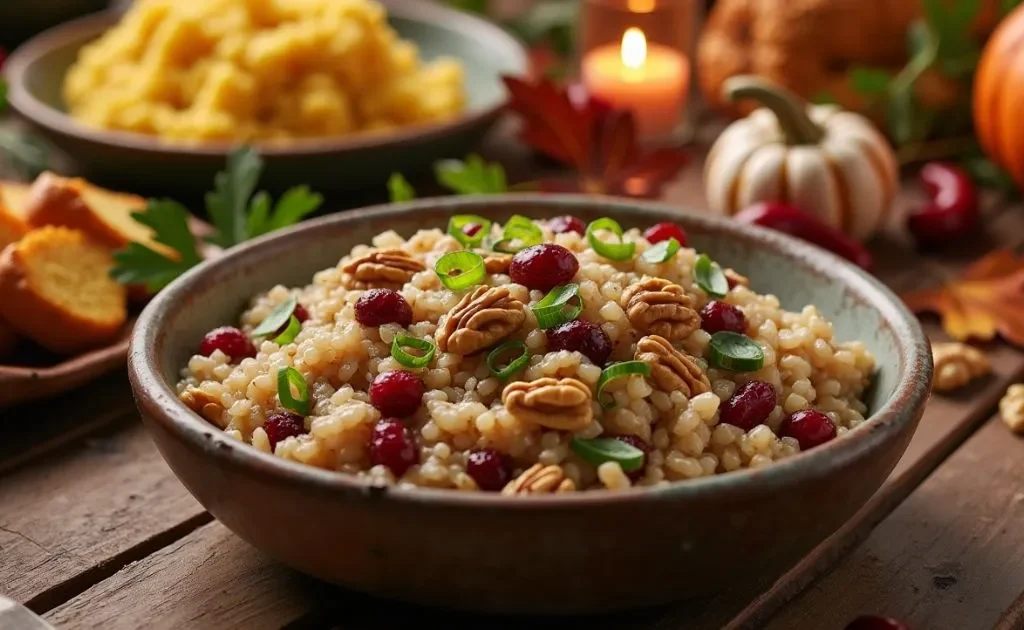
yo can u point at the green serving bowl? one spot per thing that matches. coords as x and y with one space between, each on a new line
145 164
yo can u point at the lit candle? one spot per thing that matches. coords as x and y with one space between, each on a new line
649 79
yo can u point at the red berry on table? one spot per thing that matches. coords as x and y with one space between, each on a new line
636 442
809 427
543 267
392 445
717 316
567 223
377 307
397 393
229 340
283 425
750 405
876 622
581 336
489 469
664 231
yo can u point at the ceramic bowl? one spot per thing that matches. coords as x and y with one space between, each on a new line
36 72
586 552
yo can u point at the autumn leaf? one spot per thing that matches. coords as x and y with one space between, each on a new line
988 298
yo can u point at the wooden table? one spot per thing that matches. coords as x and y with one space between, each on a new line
96 532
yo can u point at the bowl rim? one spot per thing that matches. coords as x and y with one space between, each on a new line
157 400
25 104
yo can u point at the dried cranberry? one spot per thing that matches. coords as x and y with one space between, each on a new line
377 307
665 231
876 622
470 229
543 266
391 445
396 393
636 442
749 406
810 428
717 316
567 223
489 469
300 313
229 340
283 425
581 336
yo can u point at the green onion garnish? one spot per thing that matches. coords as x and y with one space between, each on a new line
613 251
411 360
519 233
710 277
289 334
616 371
735 352
287 378
661 252
555 308
276 319
597 451
514 365
460 270
458 223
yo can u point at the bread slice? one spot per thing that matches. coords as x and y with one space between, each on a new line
13 202
102 214
55 289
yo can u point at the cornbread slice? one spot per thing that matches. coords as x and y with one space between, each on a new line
55 289
13 201
103 215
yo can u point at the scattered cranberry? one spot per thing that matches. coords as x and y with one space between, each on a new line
397 393
581 336
636 442
229 340
377 307
391 445
810 428
876 622
717 316
749 406
283 425
665 231
543 266
952 211
489 469
300 313
471 229
567 223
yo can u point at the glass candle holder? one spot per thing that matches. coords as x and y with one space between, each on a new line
637 55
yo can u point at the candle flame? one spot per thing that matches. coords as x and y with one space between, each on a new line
634 48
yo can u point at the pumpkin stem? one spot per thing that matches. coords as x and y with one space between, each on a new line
790 111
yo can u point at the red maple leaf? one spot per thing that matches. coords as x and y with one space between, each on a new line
598 143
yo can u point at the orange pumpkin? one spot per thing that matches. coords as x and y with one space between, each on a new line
998 89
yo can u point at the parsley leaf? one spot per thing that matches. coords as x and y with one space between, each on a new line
229 201
294 205
138 264
472 177
399 189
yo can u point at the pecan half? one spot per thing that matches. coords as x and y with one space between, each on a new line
671 370
735 279
204 404
1011 408
495 262
659 307
480 319
540 479
562 404
383 269
957 364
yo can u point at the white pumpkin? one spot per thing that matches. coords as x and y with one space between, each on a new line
830 163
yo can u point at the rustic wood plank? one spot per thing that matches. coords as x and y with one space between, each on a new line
1013 617
950 556
74 518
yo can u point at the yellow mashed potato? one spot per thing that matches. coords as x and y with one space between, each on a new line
209 70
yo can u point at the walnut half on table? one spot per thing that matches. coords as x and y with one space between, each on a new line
956 365
1011 408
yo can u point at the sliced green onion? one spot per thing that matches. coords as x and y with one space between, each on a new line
401 342
519 233
555 308
735 352
276 319
597 451
613 251
287 378
617 371
460 270
514 365
661 252
710 277
289 334
460 221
